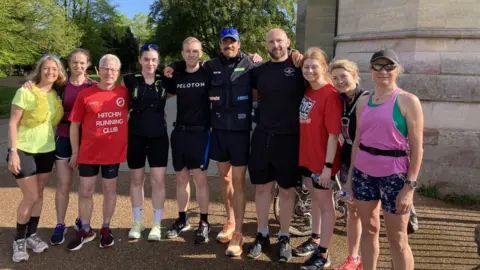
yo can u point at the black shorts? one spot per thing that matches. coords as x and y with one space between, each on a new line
32 164
305 172
63 148
274 157
230 146
141 147
190 149
109 171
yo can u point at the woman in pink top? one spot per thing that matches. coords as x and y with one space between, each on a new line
386 158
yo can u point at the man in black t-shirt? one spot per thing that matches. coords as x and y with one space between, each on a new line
190 139
275 140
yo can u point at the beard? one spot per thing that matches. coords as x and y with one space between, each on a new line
277 54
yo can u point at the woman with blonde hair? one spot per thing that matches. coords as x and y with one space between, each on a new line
320 114
31 151
344 74
386 159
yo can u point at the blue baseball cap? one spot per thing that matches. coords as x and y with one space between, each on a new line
229 32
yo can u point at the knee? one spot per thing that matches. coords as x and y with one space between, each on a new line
371 226
201 182
86 191
33 199
63 188
182 181
138 181
109 188
286 193
398 240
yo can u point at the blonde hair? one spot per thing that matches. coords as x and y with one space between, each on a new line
318 54
347 65
189 40
36 75
108 57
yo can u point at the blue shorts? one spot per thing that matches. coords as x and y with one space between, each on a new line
63 148
386 189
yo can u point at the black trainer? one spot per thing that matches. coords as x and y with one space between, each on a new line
255 249
317 261
106 238
177 228
284 249
306 248
201 233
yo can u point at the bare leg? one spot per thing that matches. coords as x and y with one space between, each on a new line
64 186
396 226
370 217
263 198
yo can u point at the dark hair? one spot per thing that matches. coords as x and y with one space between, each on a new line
79 50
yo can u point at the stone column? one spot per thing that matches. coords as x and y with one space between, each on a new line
438 43
316 20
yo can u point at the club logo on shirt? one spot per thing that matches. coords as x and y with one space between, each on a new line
120 102
305 108
289 71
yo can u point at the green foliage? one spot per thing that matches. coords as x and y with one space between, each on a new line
32 28
177 19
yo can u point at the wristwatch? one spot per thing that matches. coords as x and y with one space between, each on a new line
411 183
328 165
12 149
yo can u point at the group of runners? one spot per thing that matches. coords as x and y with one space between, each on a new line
306 105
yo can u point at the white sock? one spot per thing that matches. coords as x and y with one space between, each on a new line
283 234
157 215
137 214
263 231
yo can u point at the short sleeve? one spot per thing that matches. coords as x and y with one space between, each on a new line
178 65
78 110
24 99
333 114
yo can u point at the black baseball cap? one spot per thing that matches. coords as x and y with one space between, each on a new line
387 54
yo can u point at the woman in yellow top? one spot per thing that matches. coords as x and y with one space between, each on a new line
30 158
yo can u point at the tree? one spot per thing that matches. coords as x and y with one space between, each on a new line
141 28
32 28
177 19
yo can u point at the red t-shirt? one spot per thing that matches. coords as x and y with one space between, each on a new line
104 118
320 115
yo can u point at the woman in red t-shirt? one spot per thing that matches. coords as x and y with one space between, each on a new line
320 115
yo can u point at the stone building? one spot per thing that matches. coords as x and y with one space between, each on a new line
438 43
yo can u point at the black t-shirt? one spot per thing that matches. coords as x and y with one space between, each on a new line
280 87
193 106
147 102
349 125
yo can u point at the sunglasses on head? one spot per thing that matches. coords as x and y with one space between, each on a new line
149 46
388 67
51 55
229 30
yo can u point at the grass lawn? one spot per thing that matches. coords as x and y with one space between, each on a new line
6 96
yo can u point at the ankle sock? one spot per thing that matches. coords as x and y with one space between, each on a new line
204 217
106 225
264 232
86 227
322 249
182 216
137 214
157 215
280 234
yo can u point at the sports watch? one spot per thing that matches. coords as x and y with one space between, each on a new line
328 165
411 183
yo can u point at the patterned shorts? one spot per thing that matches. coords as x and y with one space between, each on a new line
386 189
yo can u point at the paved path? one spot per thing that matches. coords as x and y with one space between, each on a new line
445 239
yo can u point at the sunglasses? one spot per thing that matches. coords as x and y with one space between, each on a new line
388 67
149 46
51 55
228 30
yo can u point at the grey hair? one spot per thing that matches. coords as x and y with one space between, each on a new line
108 57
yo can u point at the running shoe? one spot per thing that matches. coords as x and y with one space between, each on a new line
58 236
227 232
255 249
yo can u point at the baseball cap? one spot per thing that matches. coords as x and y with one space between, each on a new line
229 32
387 54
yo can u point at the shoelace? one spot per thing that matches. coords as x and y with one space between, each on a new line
21 245
35 239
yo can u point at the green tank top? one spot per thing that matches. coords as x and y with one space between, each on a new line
398 119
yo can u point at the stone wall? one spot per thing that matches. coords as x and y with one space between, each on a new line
438 43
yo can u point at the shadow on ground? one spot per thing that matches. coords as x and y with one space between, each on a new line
444 241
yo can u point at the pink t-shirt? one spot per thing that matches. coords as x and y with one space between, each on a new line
69 97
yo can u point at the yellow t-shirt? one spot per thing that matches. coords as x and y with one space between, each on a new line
40 139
